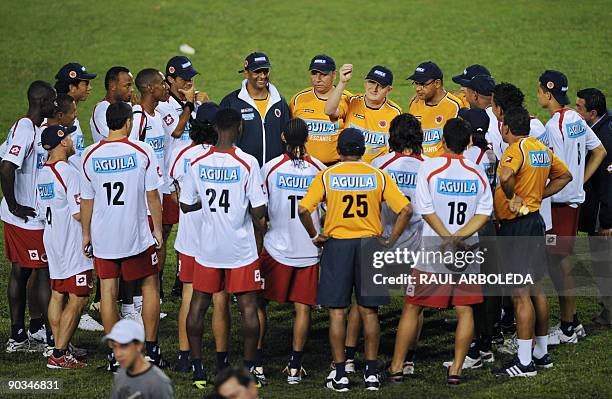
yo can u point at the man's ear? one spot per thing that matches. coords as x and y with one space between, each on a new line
283 139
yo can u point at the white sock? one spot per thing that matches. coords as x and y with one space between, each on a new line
524 351
138 303
127 308
541 346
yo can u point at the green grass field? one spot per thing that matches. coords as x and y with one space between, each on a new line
515 40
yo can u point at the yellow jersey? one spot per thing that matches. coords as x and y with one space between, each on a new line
322 131
533 164
433 118
373 123
353 192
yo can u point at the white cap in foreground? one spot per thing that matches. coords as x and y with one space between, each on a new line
126 331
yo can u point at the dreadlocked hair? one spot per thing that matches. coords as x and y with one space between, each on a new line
202 132
405 133
296 134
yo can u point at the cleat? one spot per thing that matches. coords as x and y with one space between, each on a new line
454 380
132 316
183 365
22 346
38 336
515 369
372 383
199 381
162 315
545 362
487 356
580 331
64 362
79 353
339 386
112 364
556 336
156 359
392 378
349 366
468 363
47 351
510 346
294 376
88 323
260 377
408 369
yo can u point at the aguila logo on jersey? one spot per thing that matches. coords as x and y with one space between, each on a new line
286 181
404 179
168 120
15 150
432 136
373 139
457 187
439 119
216 174
539 159
157 143
46 191
321 127
121 163
575 129
357 182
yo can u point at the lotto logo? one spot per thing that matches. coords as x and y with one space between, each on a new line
257 276
551 239
410 290
33 254
154 259
77 199
81 280
168 119
15 150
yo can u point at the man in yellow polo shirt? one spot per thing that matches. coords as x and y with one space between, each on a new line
432 105
309 105
353 191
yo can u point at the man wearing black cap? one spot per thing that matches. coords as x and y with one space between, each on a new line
571 139
74 80
59 200
264 111
353 213
309 105
371 113
466 76
118 83
432 105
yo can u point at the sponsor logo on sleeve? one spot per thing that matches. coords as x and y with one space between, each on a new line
15 150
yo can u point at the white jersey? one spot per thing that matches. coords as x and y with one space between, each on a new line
149 128
59 199
117 175
187 239
226 182
97 123
536 129
403 170
24 149
486 161
78 142
286 183
571 139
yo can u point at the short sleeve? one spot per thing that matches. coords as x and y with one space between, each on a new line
485 202
20 142
254 187
315 194
392 195
86 186
292 105
189 190
557 166
513 157
153 176
423 202
73 190
138 125
343 106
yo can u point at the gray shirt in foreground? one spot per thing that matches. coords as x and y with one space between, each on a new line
152 384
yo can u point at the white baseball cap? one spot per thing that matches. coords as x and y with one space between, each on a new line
125 331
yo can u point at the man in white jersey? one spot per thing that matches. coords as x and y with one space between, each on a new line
120 180
571 139
59 200
225 183
23 230
203 134
118 83
454 198
290 261
74 80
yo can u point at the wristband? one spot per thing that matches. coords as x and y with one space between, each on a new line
315 237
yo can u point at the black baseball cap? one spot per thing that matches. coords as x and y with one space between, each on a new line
73 72
476 117
207 113
351 141
556 83
255 61
180 66
425 71
322 63
381 75
481 84
53 135
469 73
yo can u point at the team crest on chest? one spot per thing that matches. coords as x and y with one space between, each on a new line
439 119
382 123
277 112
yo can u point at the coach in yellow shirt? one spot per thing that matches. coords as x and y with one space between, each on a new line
353 191
371 113
309 105
432 105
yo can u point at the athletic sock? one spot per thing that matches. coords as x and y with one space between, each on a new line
473 351
567 327
57 353
18 332
127 308
340 370
49 334
183 354
35 324
576 321
349 352
198 367
541 346
524 351
486 343
138 303
151 349
411 356
259 358
295 361
222 360
370 368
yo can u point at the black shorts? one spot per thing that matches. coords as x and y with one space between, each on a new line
521 248
341 271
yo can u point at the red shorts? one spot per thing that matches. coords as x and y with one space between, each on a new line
170 210
131 268
186 265
441 295
241 279
282 283
79 284
25 247
560 240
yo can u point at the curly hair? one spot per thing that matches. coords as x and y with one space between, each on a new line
405 133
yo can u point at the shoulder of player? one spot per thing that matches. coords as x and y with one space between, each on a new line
22 124
382 159
390 104
299 95
315 162
453 100
245 158
100 106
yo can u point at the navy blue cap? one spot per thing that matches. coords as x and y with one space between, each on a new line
53 135
425 71
73 72
381 75
476 117
180 66
207 113
351 138
469 73
322 63
481 84
255 61
556 83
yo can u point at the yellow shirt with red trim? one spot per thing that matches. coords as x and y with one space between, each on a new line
533 164
354 193
322 131
373 123
433 118
262 105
